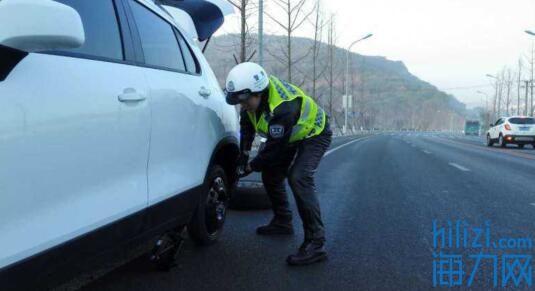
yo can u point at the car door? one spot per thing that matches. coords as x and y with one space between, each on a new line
74 139
499 127
181 140
494 131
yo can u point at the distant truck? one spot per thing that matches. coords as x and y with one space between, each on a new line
472 127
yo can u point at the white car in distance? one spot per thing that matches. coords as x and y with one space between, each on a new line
519 130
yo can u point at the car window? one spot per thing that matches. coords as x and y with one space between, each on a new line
158 39
102 36
189 57
522 120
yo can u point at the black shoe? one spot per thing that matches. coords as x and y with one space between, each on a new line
310 252
276 227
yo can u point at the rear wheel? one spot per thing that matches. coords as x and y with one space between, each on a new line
501 141
207 223
520 146
489 141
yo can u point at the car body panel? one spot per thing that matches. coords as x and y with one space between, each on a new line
68 151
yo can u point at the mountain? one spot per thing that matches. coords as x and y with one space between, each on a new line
386 94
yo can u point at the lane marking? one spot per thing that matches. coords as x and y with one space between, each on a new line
532 204
490 149
427 152
345 144
459 167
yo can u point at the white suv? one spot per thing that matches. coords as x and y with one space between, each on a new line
113 128
519 130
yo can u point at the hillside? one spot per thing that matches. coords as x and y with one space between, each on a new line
386 94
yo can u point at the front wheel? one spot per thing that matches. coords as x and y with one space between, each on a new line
489 141
207 223
520 146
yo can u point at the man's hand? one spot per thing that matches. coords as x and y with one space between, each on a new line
244 171
243 164
243 159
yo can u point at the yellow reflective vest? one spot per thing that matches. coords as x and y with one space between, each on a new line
312 118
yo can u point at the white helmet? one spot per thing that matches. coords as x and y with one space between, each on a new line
244 79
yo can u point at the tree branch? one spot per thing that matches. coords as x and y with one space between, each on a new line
276 21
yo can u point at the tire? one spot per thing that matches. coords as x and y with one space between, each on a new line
250 195
207 223
520 146
489 141
501 141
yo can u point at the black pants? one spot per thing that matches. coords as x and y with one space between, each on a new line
306 156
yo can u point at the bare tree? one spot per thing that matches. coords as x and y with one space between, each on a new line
495 97
332 47
333 74
508 84
501 89
296 14
318 24
530 59
245 9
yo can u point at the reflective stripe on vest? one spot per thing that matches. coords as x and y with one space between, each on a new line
311 120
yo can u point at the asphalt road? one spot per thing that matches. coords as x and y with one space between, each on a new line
379 197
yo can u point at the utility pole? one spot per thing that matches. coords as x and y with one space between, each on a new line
261 32
519 85
532 61
530 113
527 90
347 77
346 97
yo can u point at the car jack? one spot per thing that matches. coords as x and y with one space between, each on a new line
166 249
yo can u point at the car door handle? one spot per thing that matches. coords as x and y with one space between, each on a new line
204 92
131 95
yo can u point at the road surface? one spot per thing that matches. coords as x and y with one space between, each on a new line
379 197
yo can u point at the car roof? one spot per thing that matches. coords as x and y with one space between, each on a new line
517 116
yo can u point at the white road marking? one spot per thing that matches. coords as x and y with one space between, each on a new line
459 167
532 204
427 152
343 145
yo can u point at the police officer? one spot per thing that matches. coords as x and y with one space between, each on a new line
298 135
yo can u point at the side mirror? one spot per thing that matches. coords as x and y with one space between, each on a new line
37 25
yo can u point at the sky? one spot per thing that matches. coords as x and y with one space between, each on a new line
451 44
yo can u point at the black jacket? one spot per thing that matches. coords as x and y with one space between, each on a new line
285 116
